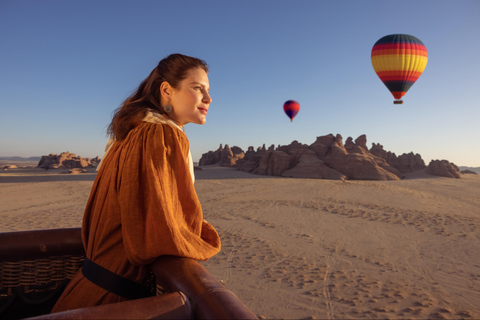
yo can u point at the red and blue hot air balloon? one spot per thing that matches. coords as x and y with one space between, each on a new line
398 60
291 108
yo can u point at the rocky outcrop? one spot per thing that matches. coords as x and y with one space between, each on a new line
66 160
229 157
443 168
310 166
407 162
273 163
226 157
10 166
468 172
295 160
357 163
211 157
76 171
327 158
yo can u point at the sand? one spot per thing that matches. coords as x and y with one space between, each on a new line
310 249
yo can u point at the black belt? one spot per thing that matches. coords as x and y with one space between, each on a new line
114 283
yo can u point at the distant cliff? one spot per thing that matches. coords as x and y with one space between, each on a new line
469 169
67 160
327 158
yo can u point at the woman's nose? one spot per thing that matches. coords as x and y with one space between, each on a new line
207 99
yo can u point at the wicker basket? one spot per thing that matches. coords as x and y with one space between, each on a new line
35 267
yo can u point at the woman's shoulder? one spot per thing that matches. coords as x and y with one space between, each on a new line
159 131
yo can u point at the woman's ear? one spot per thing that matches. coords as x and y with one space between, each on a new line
166 91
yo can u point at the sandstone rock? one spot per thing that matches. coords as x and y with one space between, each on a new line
409 162
361 142
327 140
250 151
211 157
443 168
310 166
273 163
382 163
322 145
377 150
349 145
47 162
249 163
237 150
229 157
295 150
468 172
337 148
357 163
326 158
336 155
364 167
251 159
359 146
76 171
66 160
226 157
238 153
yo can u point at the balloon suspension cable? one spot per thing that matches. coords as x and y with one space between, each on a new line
291 120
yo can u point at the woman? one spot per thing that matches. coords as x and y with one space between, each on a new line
143 203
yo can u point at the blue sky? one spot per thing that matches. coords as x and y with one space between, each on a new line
66 65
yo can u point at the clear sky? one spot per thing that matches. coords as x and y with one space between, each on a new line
66 65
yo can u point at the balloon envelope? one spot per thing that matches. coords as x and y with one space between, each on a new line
291 108
399 60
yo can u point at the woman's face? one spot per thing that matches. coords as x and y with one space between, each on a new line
190 101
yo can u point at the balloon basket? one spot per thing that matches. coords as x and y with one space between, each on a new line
398 102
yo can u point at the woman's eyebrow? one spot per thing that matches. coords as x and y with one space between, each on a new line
196 82
199 83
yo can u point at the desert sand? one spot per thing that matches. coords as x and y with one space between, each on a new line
310 249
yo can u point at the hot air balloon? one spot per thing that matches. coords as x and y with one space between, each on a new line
291 108
399 60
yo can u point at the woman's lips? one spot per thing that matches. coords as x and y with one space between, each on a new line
203 110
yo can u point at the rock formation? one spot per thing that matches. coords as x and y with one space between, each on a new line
356 162
229 157
443 168
326 158
66 160
468 172
407 162
11 166
211 157
310 166
76 171
273 163
226 157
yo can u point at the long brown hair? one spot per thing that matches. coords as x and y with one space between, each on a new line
172 69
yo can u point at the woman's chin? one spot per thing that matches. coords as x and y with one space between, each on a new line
202 120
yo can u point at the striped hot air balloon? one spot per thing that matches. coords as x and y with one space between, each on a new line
399 60
291 108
